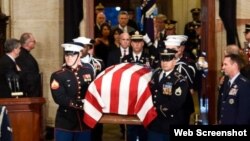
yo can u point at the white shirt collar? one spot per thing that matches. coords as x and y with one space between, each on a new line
12 58
122 50
124 29
233 79
139 55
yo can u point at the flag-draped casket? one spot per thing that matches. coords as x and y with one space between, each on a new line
120 89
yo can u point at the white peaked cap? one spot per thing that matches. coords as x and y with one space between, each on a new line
83 40
175 40
74 47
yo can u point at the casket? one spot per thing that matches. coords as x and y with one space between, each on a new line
121 93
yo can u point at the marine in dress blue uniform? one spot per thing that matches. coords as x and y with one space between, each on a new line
68 88
169 91
97 65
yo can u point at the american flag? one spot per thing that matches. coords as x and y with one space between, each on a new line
120 89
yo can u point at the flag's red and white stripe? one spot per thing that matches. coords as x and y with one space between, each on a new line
121 89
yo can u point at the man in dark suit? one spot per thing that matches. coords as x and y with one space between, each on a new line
160 33
9 71
233 101
116 55
30 77
100 19
123 19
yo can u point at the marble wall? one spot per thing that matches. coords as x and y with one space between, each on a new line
45 20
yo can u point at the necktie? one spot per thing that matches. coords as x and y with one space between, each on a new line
124 52
229 84
163 76
136 59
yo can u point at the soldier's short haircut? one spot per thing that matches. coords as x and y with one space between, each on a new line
237 59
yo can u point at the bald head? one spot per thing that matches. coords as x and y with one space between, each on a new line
100 18
124 40
232 49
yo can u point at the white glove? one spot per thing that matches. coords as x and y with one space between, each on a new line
146 38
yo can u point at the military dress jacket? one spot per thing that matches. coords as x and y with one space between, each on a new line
68 88
184 68
145 59
94 63
169 95
234 102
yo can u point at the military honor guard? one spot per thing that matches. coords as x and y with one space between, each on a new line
139 54
177 43
234 96
170 26
68 87
169 89
96 64
247 41
189 31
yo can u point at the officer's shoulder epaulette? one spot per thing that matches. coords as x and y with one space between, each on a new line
60 70
156 71
243 79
